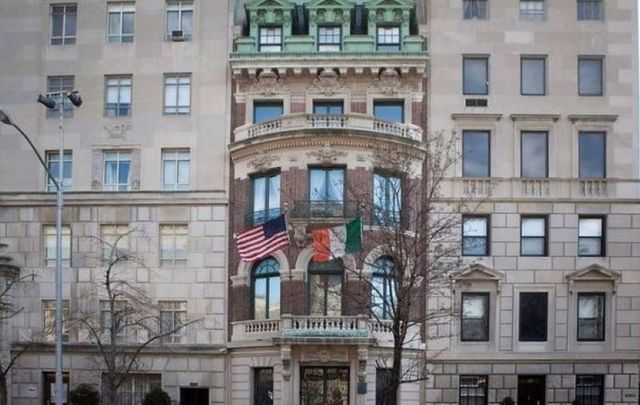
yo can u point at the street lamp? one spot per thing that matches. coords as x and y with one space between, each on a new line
49 101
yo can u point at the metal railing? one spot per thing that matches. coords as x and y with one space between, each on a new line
325 209
255 218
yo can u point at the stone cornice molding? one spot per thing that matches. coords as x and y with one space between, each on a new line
592 118
535 117
478 273
476 116
593 273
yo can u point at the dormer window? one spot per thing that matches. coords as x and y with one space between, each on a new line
388 38
329 39
270 39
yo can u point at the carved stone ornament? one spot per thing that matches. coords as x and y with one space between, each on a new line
388 82
328 82
117 132
326 155
300 236
268 83
263 161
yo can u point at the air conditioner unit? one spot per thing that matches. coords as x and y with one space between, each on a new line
177 35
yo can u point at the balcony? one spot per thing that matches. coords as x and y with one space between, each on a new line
325 209
255 218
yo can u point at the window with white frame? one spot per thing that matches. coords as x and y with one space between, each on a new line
115 241
533 236
176 167
59 84
533 9
50 245
118 96
475 235
591 316
117 171
49 320
270 39
179 20
173 244
590 10
474 324
173 315
388 38
329 39
53 164
120 22
63 24
591 238
177 94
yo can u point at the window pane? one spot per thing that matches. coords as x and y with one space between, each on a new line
317 185
70 23
475 226
187 22
475 317
591 316
260 298
173 23
392 112
335 185
533 76
114 24
475 154
274 297
533 227
475 76
589 10
592 150
590 76
534 154
57 19
475 9
533 317
266 111
590 227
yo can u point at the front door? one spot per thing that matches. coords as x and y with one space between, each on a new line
531 390
194 396
324 386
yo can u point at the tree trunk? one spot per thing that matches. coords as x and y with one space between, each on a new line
4 400
110 396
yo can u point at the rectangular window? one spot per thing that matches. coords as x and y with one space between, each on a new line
59 84
328 107
533 236
326 192
473 390
534 157
533 10
53 164
533 76
179 20
591 307
263 386
590 10
533 316
120 22
266 111
388 39
591 240
476 154
176 169
177 94
270 39
475 71
590 389
392 111
266 198
173 314
134 387
173 245
50 245
49 320
383 379
329 39
63 24
592 160
590 76
115 241
115 317
387 199
118 96
475 235
475 9
117 171
474 324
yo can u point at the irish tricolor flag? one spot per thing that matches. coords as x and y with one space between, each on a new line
331 243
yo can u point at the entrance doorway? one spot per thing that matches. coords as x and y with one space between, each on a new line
531 389
194 396
48 387
324 386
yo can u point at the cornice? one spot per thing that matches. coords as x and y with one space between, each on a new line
535 117
592 117
92 198
476 116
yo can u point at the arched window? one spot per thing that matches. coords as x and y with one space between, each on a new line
325 288
265 282
383 288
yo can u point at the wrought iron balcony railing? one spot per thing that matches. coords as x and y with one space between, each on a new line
255 218
325 209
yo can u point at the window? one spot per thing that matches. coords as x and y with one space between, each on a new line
474 325
388 39
329 39
534 159
533 316
592 155
180 18
50 245
590 389
475 154
49 320
118 96
328 107
266 198
176 168
177 94
383 380
591 308
590 10
392 111
114 237
387 199
325 288
117 168
120 22
63 24
173 245
266 289
473 390
266 111
590 76
270 39
383 288
475 71
533 76
53 164
326 192
533 236
478 9
120 313
59 84
475 235
263 386
134 387
173 315
591 241
532 9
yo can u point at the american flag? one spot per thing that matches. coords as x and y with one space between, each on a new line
260 241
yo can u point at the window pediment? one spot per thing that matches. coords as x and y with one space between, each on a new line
479 273
269 4
593 273
330 4
401 4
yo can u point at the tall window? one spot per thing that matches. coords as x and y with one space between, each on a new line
180 18
266 198
49 320
53 164
50 245
590 389
383 288
533 316
475 9
177 94
533 75
475 235
173 314
266 110
534 157
590 10
266 289
118 96
388 39
326 192
117 168
476 154
592 159
387 199
475 317
114 237
173 245
176 169
532 9
263 386
325 288
329 39
120 22
533 236
60 84
63 24
392 111
590 76
473 390
475 72
270 39
591 314
591 240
